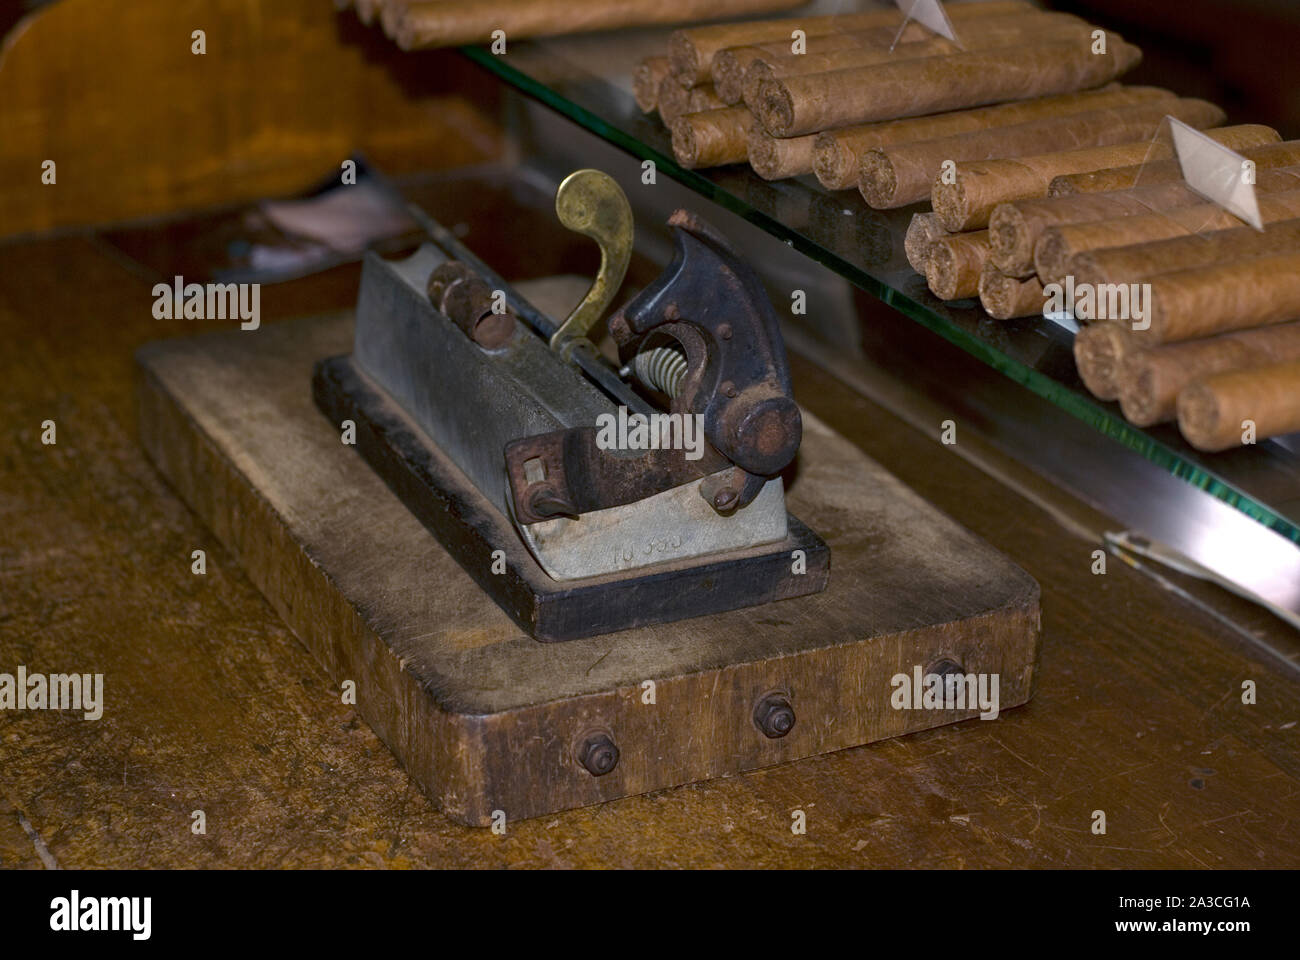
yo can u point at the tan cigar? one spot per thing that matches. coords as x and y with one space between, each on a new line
1269 156
924 229
1222 410
1237 295
985 33
1059 245
774 159
954 265
675 100
453 23
770 66
1139 261
649 75
813 102
904 173
712 138
1005 298
1016 227
691 50
1099 350
730 66
838 152
966 200
1150 380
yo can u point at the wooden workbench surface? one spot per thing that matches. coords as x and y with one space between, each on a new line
213 705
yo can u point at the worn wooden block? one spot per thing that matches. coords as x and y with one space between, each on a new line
486 718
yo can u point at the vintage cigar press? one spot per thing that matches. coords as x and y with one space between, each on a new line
585 496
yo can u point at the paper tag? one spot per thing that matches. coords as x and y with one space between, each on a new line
1216 173
930 14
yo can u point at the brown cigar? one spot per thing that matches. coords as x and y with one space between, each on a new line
1005 298
774 159
967 202
838 152
1229 296
712 138
1016 227
1267 157
904 173
924 229
1059 245
453 23
650 73
819 101
954 265
1150 380
1137 262
730 66
986 33
1220 411
692 50
675 100
1099 350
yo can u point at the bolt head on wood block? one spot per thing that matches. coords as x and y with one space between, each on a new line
487 719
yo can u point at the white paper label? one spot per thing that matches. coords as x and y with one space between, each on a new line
1216 173
930 14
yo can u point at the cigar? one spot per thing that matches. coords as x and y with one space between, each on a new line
1058 246
1099 350
877 46
1016 227
774 159
649 75
453 23
898 175
766 67
692 50
1188 304
924 229
1215 413
837 153
731 66
810 103
712 138
674 100
954 265
1139 261
979 186
1151 380
1269 156
1005 298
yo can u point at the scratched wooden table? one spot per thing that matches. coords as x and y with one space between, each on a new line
215 706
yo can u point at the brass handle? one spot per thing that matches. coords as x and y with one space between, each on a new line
592 203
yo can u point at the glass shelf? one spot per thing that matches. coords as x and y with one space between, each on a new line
589 80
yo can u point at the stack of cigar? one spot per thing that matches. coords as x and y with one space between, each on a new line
423 24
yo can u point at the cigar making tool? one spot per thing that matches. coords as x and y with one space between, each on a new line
585 496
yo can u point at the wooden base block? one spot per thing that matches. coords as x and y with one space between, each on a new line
487 719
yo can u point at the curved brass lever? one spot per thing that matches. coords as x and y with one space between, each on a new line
592 203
